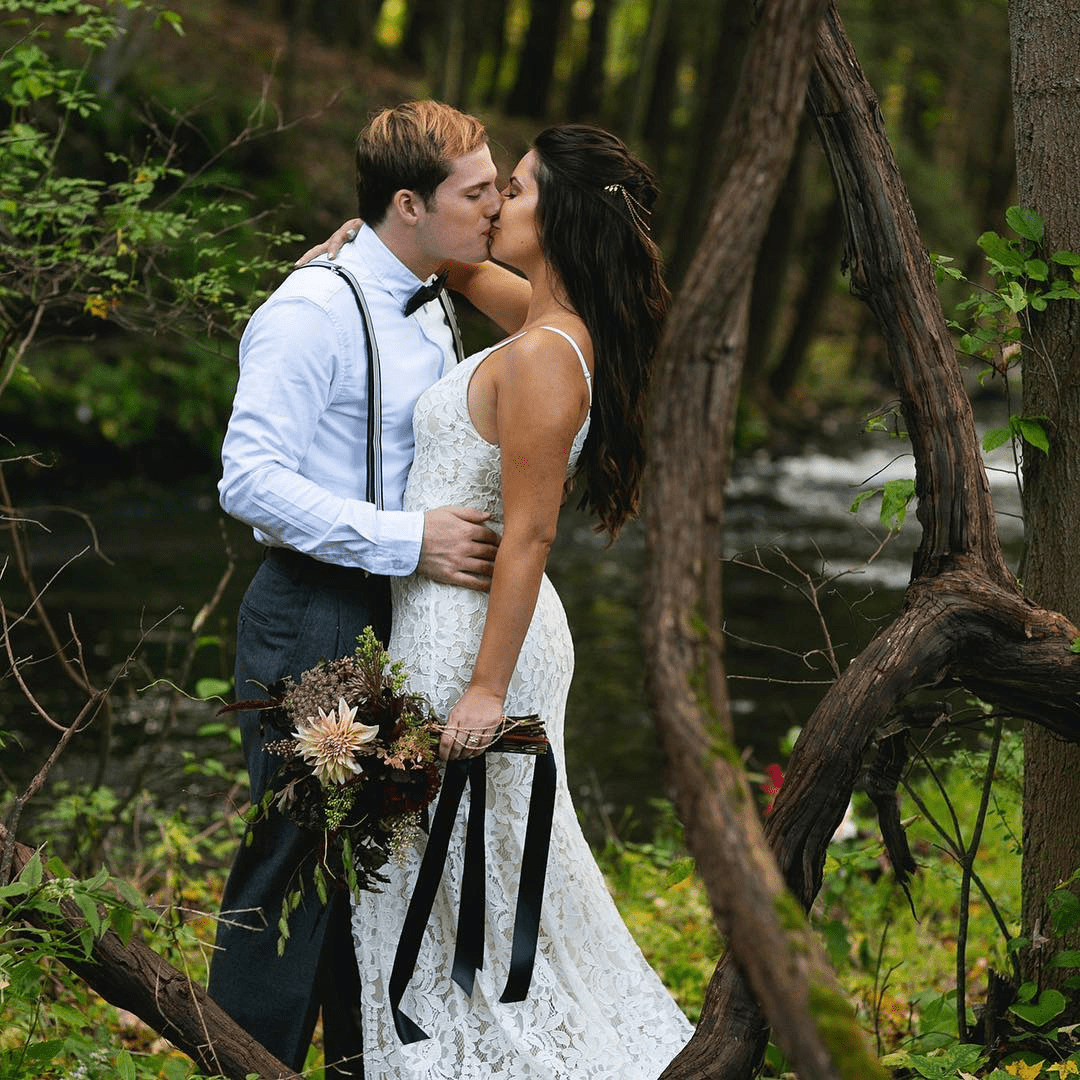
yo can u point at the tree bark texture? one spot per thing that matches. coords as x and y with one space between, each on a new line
1046 98
700 361
135 978
964 620
587 93
536 73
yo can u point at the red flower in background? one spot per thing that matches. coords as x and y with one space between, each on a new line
772 786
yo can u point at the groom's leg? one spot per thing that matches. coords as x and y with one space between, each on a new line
296 612
339 995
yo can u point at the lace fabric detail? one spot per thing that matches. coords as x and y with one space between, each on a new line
595 1008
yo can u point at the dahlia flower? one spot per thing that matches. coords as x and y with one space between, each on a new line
328 742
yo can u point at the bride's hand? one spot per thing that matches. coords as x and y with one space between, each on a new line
472 726
331 247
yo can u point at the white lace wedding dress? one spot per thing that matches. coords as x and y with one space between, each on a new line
595 1009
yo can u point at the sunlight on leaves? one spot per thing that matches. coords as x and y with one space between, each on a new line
1025 1071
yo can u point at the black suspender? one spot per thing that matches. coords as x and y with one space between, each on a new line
374 376
374 381
451 318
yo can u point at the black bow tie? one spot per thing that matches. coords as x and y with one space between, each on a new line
425 294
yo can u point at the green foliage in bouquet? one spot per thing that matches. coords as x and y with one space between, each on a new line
358 764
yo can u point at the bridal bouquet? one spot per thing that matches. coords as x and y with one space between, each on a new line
359 763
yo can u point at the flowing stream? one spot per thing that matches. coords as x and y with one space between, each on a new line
805 577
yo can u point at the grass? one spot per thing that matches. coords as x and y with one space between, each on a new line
896 967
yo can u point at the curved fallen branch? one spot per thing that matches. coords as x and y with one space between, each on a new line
135 978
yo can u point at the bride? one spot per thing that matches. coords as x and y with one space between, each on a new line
561 397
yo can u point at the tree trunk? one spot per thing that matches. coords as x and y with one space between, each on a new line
587 93
135 978
456 44
647 70
812 297
772 268
423 25
496 42
1046 99
964 620
718 76
536 65
658 130
700 361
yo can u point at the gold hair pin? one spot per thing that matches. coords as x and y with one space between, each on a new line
635 209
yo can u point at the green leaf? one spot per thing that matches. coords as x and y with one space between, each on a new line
212 688
861 498
1064 910
123 923
41 1052
1026 223
173 19
1068 958
996 437
1066 258
1015 298
1061 290
90 913
1051 1003
679 871
1001 250
125 1065
945 1064
943 269
1033 432
1075 646
32 872
1036 269
895 497
21 888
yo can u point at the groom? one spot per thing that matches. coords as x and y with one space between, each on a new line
296 460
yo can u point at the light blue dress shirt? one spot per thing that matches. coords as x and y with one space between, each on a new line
294 455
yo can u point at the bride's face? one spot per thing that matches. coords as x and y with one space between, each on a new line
515 236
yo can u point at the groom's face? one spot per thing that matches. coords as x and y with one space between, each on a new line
457 224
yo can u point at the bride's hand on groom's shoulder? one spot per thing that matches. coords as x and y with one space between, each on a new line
340 237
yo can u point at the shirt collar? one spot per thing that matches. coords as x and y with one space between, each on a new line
370 253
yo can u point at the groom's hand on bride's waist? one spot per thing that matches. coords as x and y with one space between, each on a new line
458 547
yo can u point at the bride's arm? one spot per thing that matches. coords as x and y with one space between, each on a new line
498 292
345 232
541 401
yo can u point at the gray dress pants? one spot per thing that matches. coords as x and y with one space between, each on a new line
296 612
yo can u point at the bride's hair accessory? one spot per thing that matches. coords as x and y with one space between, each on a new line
639 214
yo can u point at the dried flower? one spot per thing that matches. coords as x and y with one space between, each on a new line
329 741
364 814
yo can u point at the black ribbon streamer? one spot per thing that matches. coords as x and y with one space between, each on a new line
534 859
469 950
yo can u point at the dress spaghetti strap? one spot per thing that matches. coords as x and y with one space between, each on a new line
574 345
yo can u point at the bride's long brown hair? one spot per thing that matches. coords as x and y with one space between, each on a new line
593 208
